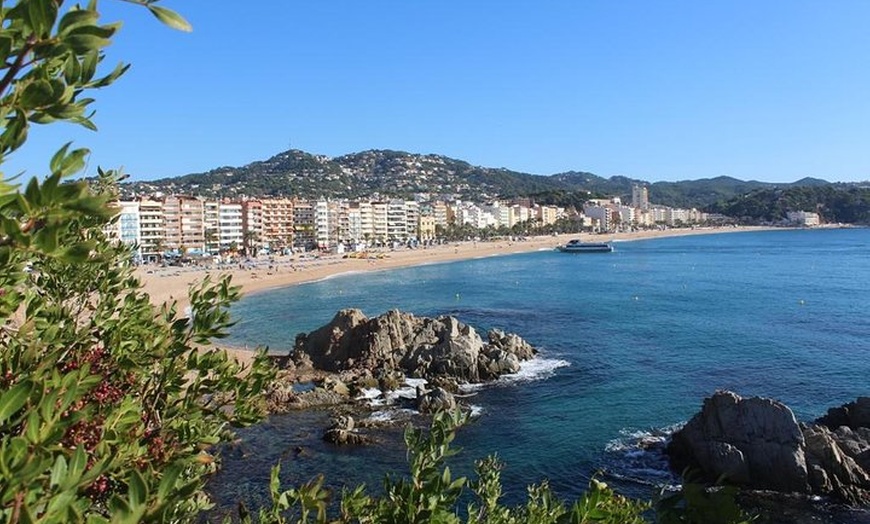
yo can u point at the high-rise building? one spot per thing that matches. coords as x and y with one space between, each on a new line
640 196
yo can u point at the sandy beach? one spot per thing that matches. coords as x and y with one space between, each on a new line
171 283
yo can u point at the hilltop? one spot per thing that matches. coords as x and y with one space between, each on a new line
402 174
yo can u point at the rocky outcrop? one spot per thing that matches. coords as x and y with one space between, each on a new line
417 346
438 399
854 414
754 442
758 443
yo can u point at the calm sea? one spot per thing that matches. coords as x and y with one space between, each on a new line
631 342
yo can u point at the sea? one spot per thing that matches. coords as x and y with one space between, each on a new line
630 343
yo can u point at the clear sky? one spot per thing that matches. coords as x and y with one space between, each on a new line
771 90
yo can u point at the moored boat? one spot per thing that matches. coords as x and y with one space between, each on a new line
576 246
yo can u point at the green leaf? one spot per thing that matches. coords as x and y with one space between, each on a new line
84 43
75 469
14 399
64 164
138 491
58 471
57 159
170 18
39 93
76 253
5 47
76 18
167 483
41 15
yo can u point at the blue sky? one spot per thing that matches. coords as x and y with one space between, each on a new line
668 90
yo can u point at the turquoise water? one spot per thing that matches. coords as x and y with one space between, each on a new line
647 332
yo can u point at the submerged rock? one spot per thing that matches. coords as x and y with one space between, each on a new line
342 431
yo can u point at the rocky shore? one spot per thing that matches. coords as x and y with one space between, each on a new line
757 443
354 362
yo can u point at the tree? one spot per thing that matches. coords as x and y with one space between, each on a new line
108 411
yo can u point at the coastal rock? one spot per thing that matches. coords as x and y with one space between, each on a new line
335 385
437 399
756 443
854 415
414 346
342 432
511 343
753 442
833 468
279 396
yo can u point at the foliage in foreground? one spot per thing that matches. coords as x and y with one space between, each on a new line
431 495
107 409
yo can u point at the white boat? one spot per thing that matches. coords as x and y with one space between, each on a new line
576 246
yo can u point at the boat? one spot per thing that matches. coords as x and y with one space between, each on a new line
576 246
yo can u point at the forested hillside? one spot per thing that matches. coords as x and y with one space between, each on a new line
834 203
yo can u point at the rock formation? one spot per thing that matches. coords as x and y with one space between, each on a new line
417 346
437 399
758 443
342 431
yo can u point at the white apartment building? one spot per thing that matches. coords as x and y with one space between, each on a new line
440 213
602 214
379 221
627 215
211 221
803 218
549 214
304 224
397 221
412 219
321 224
520 214
252 225
152 232
230 231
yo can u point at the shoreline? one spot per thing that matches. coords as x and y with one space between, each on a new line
165 284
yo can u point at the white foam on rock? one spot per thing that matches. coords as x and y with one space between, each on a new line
535 369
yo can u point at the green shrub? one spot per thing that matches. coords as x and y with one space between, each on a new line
107 408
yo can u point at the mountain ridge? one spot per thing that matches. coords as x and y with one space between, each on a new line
395 173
